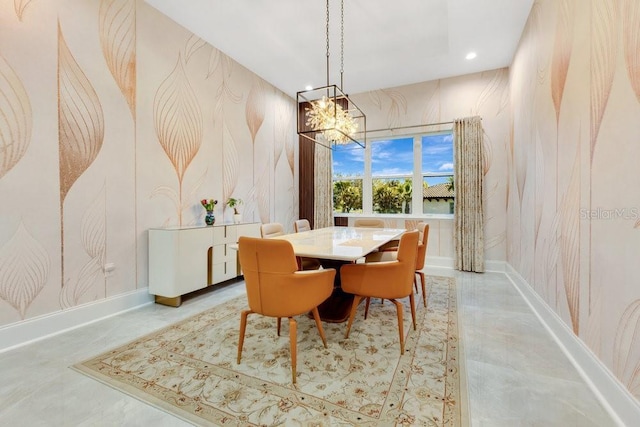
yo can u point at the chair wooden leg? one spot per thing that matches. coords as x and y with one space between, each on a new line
424 289
415 282
279 323
354 308
412 300
366 308
316 317
243 327
400 324
293 342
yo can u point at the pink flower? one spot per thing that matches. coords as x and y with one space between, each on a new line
208 204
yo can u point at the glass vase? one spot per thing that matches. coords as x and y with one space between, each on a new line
210 218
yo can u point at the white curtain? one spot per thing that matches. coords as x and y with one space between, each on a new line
323 195
468 223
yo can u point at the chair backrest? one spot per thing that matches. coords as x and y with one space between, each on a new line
264 263
423 229
271 229
368 223
301 225
407 253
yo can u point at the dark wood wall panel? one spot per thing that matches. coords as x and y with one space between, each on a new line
306 174
340 221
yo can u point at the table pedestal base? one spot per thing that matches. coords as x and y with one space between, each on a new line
337 307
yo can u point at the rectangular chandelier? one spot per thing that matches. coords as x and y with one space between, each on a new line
328 117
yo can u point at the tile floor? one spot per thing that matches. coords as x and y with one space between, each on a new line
516 374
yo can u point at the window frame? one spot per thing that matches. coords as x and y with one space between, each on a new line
417 176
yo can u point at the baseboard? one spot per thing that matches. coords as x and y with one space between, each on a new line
444 262
438 261
495 266
37 328
613 395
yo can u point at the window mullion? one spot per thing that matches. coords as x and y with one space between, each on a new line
367 183
416 193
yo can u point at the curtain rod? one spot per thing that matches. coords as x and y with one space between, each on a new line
410 127
413 126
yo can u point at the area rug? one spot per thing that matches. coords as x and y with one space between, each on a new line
189 369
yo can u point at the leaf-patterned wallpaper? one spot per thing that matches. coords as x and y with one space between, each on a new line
24 269
484 94
580 119
80 128
178 124
20 6
560 140
15 118
117 27
113 120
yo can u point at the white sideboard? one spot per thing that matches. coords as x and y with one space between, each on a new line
186 259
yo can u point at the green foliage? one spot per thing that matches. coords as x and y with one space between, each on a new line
389 196
234 203
392 195
386 198
406 190
450 184
347 195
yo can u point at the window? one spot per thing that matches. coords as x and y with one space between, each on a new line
437 173
381 178
348 171
392 175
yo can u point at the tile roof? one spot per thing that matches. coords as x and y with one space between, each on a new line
437 191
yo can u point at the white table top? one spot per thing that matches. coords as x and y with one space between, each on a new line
340 243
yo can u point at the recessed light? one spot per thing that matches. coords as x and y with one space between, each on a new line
308 87
471 55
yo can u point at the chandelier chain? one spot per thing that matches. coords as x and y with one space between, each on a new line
327 29
341 44
330 115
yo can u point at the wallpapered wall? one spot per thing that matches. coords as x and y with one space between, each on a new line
485 94
573 200
113 120
92 154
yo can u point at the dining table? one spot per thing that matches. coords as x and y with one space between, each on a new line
334 247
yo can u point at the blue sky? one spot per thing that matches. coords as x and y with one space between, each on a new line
396 156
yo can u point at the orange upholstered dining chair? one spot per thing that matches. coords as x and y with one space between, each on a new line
376 223
423 230
387 280
368 223
301 225
276 288
271 229
305 263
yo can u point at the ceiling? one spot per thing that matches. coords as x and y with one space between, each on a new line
386 43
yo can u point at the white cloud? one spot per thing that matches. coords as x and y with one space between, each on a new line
387 152
356 154
394 171
446 167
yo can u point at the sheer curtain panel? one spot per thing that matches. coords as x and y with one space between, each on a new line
468 223
323 200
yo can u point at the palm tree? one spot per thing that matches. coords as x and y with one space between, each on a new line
406 189
451 185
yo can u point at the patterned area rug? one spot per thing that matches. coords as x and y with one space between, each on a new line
189 369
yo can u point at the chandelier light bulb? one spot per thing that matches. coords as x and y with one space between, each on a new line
336 124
